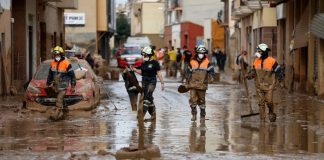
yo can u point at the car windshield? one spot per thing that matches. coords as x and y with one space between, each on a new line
132 51
42 72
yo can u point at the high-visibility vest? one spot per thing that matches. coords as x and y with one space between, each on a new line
60 67
199 74
266 65
265 78
203 65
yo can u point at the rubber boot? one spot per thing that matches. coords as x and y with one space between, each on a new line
58 113
262 113
151 110
272 115
193 113
144 109
202 113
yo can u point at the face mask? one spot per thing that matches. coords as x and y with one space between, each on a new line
58 58
257 54
201 56
146 58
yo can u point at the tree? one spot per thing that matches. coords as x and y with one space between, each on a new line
123 29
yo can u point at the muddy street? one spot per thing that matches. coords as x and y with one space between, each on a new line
298 132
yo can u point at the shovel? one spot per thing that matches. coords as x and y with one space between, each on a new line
249 101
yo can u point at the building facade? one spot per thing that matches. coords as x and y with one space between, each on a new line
294 33
147 19
29 29
300 44
94 28
255 24
5 46
189 13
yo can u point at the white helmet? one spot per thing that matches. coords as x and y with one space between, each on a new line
147 51
263 47
201 49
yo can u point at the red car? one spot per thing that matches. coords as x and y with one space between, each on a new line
85 97
130 55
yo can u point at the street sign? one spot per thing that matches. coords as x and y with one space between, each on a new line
74 18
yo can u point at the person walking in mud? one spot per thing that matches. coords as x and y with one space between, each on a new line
241 61
186 60
149 70
265 71
198 71
59 76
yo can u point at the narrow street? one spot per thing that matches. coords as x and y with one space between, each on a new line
297 134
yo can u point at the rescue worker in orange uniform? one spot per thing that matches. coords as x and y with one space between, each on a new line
59 76
197 74
265 71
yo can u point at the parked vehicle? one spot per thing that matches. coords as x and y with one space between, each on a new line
140 41
130 55
85 97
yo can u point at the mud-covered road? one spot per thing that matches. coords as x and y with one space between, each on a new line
297 134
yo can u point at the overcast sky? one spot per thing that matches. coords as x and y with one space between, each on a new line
120 1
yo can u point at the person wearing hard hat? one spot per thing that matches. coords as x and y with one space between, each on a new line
197 74
59 76
265 71
150 69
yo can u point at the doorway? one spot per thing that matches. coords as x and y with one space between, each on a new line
1 71
43 41
303 68
30 52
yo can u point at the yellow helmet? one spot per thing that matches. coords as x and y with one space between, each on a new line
57 50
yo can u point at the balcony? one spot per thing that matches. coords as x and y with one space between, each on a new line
240 12
255 5
67 4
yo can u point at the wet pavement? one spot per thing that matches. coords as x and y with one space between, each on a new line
298 132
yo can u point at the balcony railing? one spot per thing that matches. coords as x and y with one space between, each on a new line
242 8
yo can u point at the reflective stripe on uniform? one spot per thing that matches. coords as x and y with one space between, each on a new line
276 69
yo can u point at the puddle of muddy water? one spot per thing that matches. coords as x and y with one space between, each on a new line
298 132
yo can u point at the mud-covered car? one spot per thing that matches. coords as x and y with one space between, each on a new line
130 55
85 97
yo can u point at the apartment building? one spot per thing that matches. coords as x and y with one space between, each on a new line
93 28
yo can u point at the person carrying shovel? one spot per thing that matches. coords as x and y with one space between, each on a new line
198 71
265 71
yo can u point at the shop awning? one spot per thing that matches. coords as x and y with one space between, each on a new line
317 25
302 29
